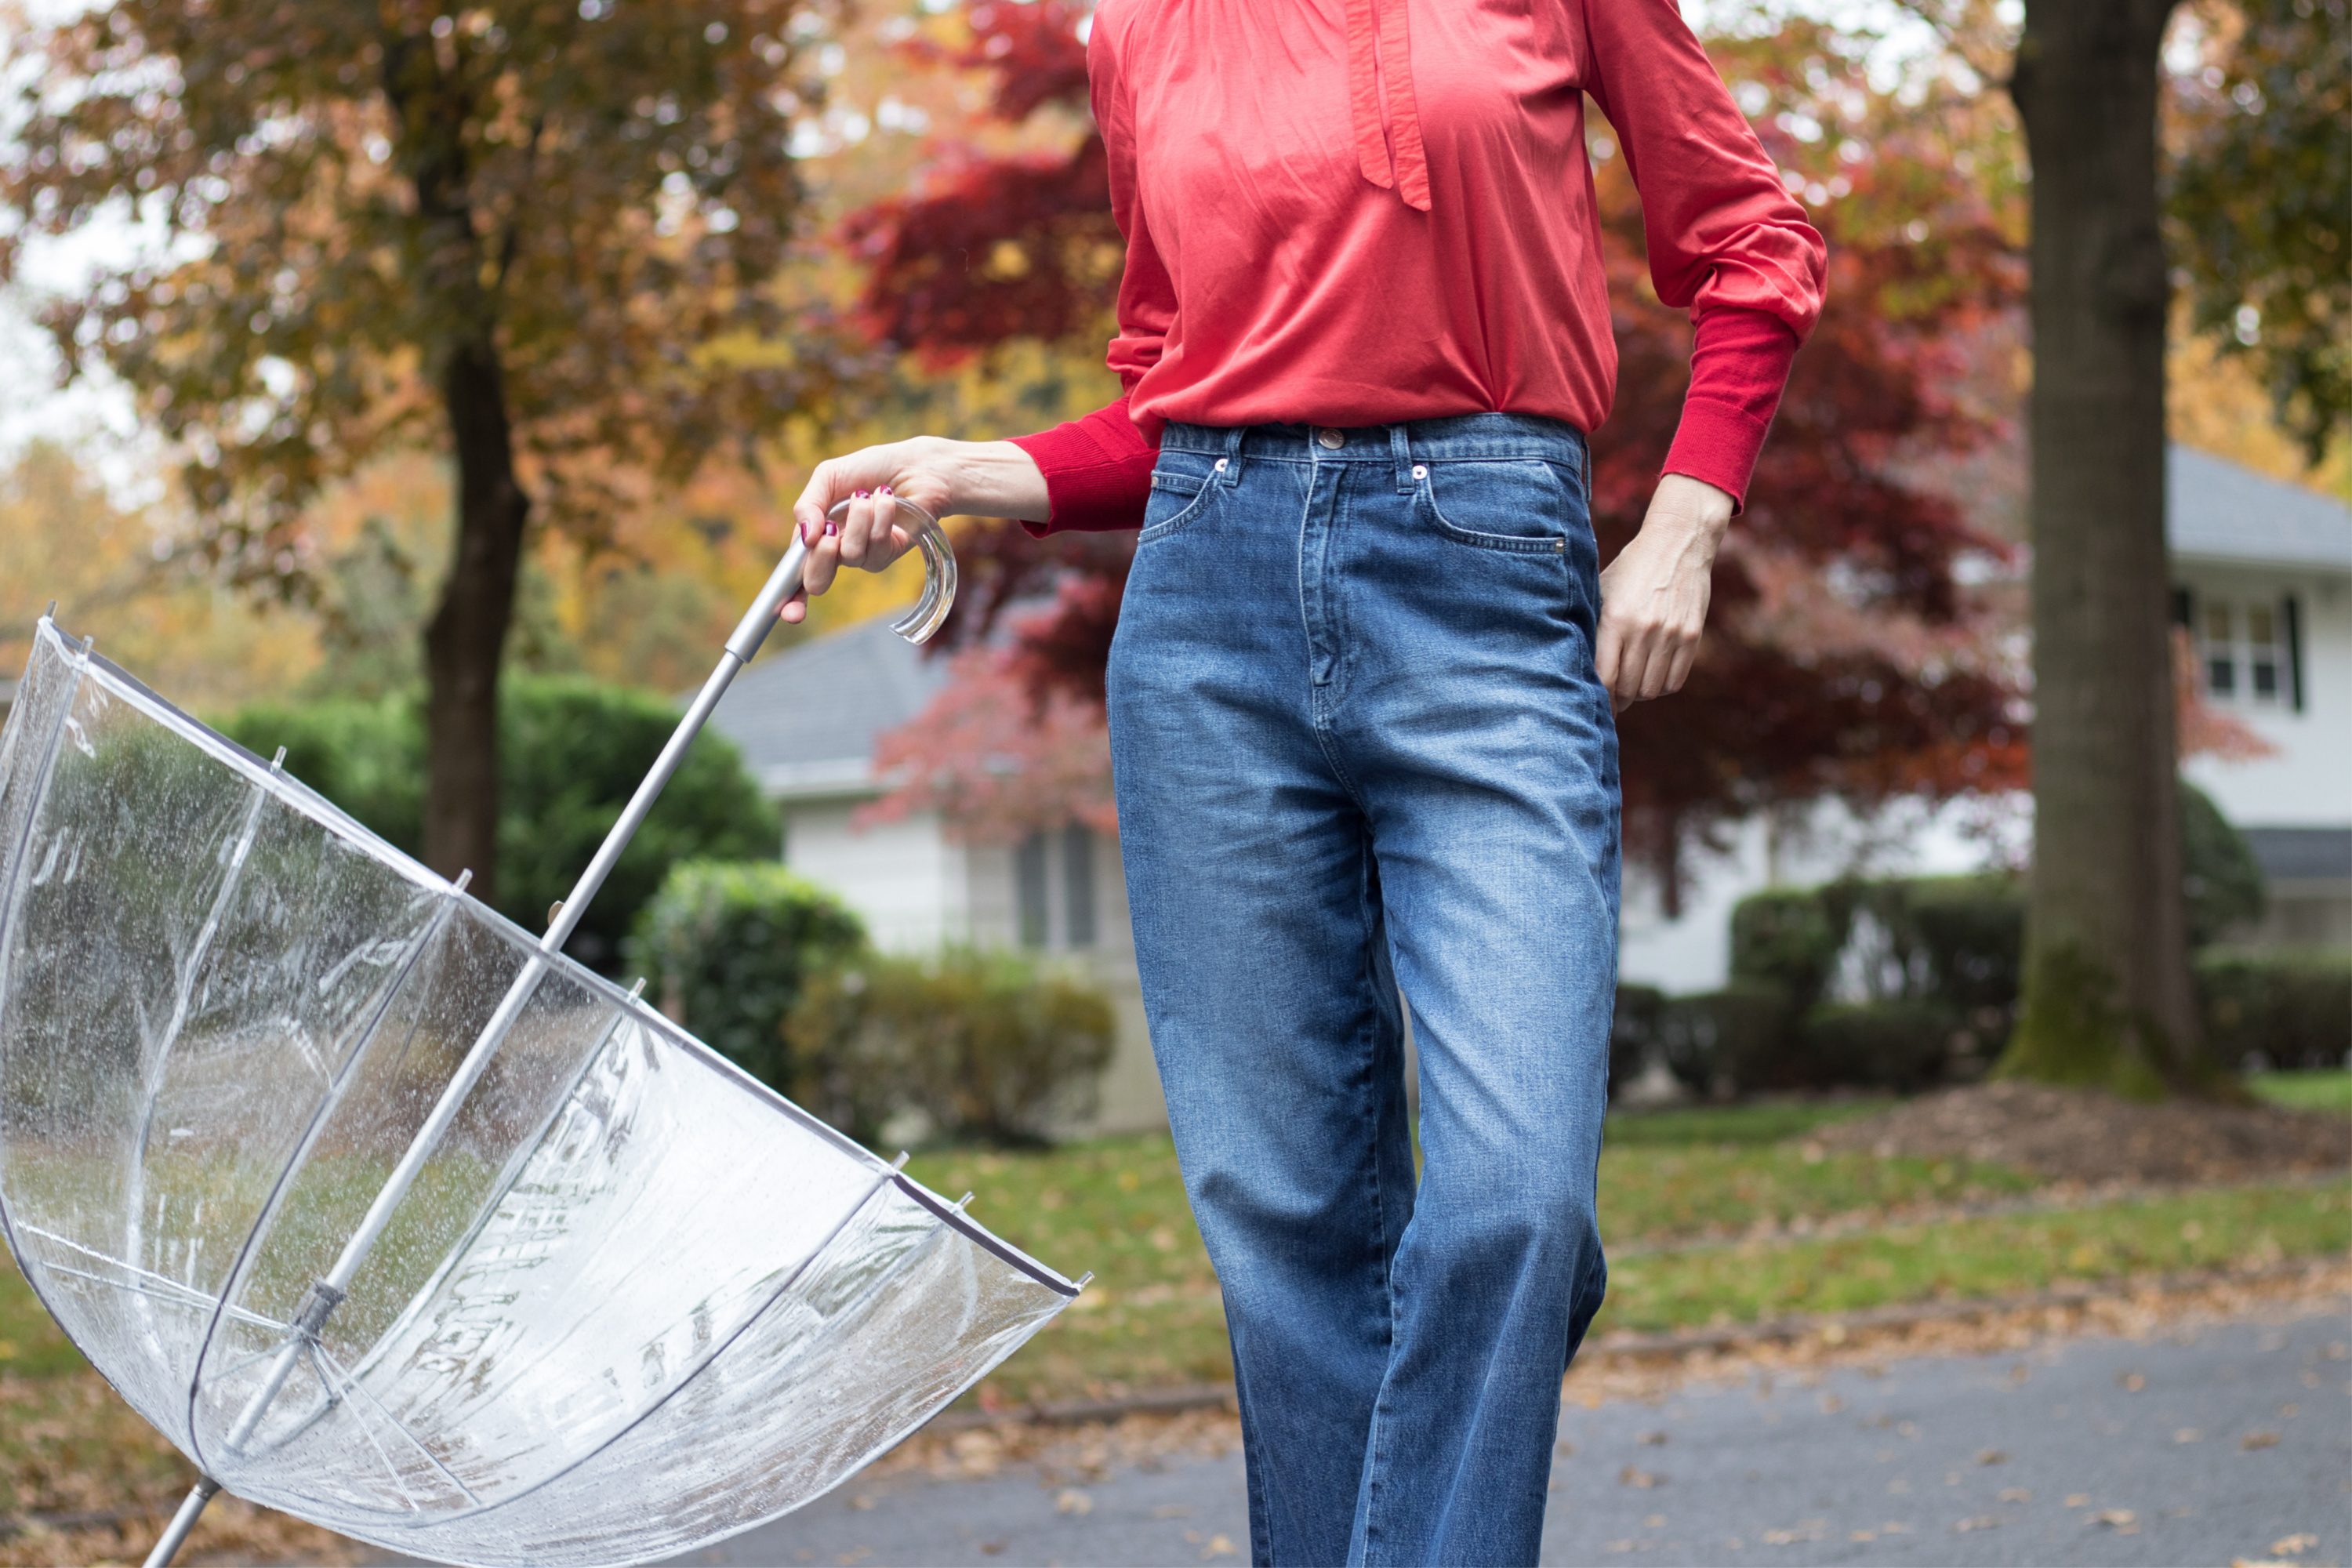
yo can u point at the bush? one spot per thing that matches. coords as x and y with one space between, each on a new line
2288 1009
1901 1044
572 752
1633 1032
1737 1036
729 947
983 1045
1789 938
2221 881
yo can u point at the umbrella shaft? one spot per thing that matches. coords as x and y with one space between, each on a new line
167 1545
327 1293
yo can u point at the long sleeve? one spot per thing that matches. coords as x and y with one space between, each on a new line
1098 469
1726 241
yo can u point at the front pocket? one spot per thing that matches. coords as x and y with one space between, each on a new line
1520 508
1176 499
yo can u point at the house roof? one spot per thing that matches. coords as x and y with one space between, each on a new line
2302 854
807 719
2220 511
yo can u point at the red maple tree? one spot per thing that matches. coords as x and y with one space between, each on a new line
1847 657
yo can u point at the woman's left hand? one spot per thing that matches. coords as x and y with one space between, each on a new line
1654 596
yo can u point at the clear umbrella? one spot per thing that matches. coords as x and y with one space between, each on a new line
394 1218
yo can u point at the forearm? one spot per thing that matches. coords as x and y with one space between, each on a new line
993 478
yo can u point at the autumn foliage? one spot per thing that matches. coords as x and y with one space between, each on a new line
1848 657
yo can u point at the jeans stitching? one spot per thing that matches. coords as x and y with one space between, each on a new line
1375 1457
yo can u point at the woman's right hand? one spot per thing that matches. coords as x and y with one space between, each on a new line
990 479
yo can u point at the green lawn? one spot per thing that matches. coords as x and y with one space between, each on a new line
1727 1180
2330 1090
1152 1316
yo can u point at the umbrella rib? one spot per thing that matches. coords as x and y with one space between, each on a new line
498 1194
312 1345
351 1385
186 1295
360 1033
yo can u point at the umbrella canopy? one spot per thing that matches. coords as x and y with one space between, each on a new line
633 1301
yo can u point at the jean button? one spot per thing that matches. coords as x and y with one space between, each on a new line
1331 439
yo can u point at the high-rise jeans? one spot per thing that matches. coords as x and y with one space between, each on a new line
1359 747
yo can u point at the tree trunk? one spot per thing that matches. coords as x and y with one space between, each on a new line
466 641
2107 998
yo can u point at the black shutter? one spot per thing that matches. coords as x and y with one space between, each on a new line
2292 615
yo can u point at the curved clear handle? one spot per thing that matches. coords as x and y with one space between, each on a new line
939 572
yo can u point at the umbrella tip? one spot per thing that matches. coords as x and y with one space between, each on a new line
638 989
277 763
963 1200
1084 1279
900 1162
464 877
51 613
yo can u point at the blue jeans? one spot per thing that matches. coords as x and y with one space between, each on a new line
1360 746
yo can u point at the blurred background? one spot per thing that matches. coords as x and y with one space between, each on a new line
422 388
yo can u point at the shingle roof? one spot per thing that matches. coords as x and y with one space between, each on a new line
807 719
2219 509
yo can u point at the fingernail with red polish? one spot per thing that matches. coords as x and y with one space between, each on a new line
883 491
859 495
831 528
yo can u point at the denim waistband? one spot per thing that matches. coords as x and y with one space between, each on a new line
1460 439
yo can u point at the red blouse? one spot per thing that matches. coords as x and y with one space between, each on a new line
1359 211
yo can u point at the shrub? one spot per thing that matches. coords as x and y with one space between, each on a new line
1787 937
1737 1034
572 753
2291 1009
1633 1032
728 949
2221 881
981 1044
1901 1044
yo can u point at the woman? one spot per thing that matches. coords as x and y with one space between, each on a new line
1360 693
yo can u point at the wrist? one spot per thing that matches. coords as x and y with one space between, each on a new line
994 478
1691 507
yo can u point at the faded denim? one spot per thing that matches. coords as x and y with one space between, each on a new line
1359 744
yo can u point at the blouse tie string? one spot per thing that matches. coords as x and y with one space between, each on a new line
1379 65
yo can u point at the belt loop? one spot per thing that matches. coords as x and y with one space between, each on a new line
1401 444
1230 465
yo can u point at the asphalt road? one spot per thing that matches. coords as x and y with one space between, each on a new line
2096 1451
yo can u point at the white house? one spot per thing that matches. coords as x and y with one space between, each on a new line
807 720
2262 578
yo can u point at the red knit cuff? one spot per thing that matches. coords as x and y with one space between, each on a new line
1098 472
1739 362
1718 444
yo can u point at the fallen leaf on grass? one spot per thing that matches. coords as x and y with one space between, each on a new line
2258 1440
1991 1457
1073 1500
2078 1499
1632 1477
1219 1546
2115 1517
2293 1545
